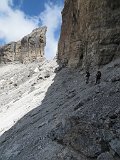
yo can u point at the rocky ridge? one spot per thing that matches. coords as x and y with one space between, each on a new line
28 49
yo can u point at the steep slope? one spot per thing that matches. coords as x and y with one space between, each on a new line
49 112
22 88
73 121
28 49
90 33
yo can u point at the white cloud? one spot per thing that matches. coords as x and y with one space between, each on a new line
51 17
14 24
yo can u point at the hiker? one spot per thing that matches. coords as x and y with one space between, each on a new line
87 77
98 77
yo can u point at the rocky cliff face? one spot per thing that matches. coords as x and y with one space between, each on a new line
28 49
90 33
49 113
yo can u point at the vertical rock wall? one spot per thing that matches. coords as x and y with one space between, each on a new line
29 49
90 32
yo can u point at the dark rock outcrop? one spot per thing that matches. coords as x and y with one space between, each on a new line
90 33
98 139
28 49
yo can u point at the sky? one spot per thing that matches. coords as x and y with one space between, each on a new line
19 17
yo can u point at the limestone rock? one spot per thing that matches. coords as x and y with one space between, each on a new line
28 49
36 70
90 33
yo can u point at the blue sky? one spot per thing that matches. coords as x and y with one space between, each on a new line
34 7
19 17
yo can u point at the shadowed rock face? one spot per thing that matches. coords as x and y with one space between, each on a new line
28 49
90 33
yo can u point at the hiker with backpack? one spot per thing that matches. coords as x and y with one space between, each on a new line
98 77
87 77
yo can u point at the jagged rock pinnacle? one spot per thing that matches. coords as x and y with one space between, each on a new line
28 49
